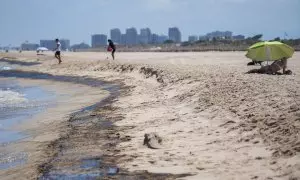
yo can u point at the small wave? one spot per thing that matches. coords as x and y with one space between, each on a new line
5 68
11 98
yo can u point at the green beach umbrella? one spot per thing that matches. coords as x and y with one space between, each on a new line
269 51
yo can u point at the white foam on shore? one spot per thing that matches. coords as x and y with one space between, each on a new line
11 98
5 68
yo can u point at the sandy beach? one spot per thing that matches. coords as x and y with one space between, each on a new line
215 121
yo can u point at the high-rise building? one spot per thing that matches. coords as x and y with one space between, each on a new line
175 34
51 44
193 38
115 35
145 36
131 36
99 40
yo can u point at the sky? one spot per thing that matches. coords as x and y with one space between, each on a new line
77 20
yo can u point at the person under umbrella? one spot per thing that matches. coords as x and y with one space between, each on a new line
270 51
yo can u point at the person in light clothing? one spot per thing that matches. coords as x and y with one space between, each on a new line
57 51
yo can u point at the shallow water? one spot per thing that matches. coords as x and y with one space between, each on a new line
17 104
11 160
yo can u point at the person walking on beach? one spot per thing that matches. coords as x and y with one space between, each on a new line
57 51
112 48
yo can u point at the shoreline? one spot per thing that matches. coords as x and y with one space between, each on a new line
83 129
47 125
231 124
50 151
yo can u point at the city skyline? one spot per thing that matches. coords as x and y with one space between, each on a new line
144 37
100 39
109 36
77 20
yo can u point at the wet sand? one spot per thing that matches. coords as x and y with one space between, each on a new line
215 121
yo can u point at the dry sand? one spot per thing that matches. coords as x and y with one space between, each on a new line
216 121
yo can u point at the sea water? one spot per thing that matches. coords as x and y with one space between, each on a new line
19 103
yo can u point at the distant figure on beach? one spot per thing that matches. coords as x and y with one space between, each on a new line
57 51
112 48
273 68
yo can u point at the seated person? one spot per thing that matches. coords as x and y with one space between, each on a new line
273 68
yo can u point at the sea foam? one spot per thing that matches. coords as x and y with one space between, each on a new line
10 98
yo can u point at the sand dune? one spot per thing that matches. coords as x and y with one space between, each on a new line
216 121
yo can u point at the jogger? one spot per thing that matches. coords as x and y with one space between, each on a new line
57 51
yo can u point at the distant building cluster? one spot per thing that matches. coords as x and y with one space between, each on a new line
49 44
145 36
29 46
217 35
193 38
133 37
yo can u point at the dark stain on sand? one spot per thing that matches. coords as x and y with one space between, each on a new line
16 62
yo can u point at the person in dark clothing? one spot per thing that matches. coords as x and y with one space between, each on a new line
112 46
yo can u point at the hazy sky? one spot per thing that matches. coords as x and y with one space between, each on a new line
32 20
